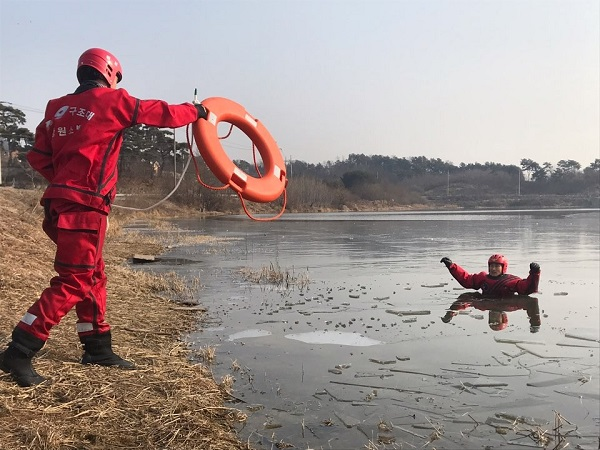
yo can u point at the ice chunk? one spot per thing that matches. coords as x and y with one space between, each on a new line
586 334
555 351
553 382
248 334
578 343
519 340
334 337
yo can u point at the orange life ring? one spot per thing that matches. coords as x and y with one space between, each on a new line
264 189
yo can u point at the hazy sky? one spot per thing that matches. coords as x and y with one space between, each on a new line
461 80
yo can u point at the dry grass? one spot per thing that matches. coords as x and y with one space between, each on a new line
275 275
167 403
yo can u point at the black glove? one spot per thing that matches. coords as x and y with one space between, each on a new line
202 111
446 261
448 316
534 267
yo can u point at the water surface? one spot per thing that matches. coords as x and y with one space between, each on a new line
361 355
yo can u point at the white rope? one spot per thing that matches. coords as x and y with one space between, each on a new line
187 164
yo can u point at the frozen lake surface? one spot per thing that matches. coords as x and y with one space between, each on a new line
359 356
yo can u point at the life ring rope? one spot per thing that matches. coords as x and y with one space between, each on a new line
190 143
255 163
264 219
228 133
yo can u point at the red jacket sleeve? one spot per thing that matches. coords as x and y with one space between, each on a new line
158 113
529 285
40 156
465 279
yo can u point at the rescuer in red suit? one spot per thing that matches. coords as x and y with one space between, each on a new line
498 309
76 149
496 282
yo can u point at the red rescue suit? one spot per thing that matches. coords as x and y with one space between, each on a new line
76 149
500 286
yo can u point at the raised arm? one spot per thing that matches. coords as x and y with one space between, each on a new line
464 278
530 284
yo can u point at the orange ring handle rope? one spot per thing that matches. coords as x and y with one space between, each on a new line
270 185
264 219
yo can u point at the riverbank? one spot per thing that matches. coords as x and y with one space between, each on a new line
167 403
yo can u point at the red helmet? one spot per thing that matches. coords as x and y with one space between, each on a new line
499 259
104 62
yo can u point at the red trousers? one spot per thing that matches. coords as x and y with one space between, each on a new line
78 232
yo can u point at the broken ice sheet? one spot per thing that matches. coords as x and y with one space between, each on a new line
568 342
333 337
483 385
514 355
510 405
382 361
516 339
249 334
583 393
372 375
347 420
344 394
484 382
490 371
555 351
586 334
545 381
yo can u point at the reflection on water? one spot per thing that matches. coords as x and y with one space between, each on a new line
498 309
377 278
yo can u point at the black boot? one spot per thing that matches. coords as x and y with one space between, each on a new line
98 350
16 359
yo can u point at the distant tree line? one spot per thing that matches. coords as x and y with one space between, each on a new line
151 163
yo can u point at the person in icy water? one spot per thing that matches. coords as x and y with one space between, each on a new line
496 282
498 309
